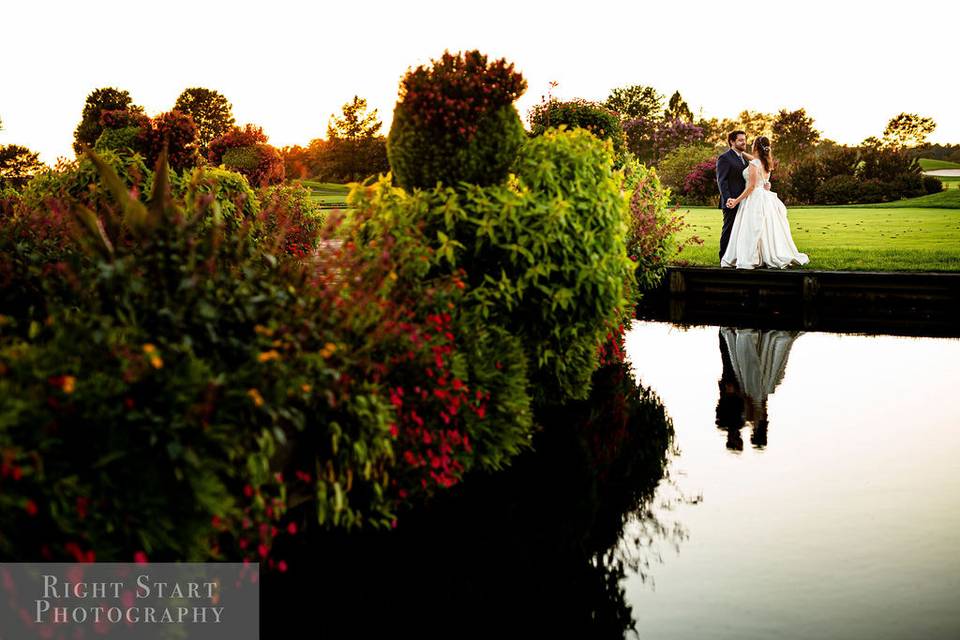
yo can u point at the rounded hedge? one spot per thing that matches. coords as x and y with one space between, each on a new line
455 122
421 158
583 114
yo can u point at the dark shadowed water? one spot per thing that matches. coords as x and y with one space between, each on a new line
822 478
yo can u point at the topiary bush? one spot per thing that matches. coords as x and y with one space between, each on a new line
580 113
175 132
229 196
245 150
455 122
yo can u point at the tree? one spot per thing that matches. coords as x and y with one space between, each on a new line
635 101
908 130
356 123
211 112
678 109
793 135
17 165
753 123
105 99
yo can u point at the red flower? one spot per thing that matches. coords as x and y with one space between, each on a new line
31 508
140 557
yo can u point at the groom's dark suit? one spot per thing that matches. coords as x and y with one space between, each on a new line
730 180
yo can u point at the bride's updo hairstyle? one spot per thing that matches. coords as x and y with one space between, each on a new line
761 149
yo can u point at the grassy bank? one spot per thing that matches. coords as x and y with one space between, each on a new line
880 238
932 165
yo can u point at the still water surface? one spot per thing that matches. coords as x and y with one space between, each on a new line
826 504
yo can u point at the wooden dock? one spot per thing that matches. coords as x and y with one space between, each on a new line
914 303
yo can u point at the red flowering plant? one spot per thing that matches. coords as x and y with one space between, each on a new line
456 405
455 121
150 417
292 218
456 91
176 132
700 185
652 239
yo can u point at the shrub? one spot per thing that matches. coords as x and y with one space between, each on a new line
592 116
292 218
653 229
247 136
932 184
227 193
78 182
700 185
123 139
679 163
245 151
458 384
873 191
544 259
805 180
177 132
194 355
842 189
455 122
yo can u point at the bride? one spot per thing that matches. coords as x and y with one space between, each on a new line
761 233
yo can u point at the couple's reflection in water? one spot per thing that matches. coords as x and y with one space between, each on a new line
754 361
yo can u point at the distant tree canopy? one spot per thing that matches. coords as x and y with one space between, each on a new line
793 135
908 130
212 113
635 101
753 123
355 123
17 165
678 109
100 100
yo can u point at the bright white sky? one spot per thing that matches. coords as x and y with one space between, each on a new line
288 65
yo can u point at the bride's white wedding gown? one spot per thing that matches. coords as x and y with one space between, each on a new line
761 233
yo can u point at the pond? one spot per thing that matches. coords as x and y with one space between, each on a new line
818 485
824 505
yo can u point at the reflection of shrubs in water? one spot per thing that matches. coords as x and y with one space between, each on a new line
539 545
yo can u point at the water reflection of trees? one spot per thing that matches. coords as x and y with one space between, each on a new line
537 548
754 362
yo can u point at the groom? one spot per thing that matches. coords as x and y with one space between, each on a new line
730 166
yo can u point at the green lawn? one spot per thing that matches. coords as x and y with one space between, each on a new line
852 238
328 194
949 182
942 200
932 165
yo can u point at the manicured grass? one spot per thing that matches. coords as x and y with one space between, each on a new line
329 195
852 238
932 165
949 182
947 199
